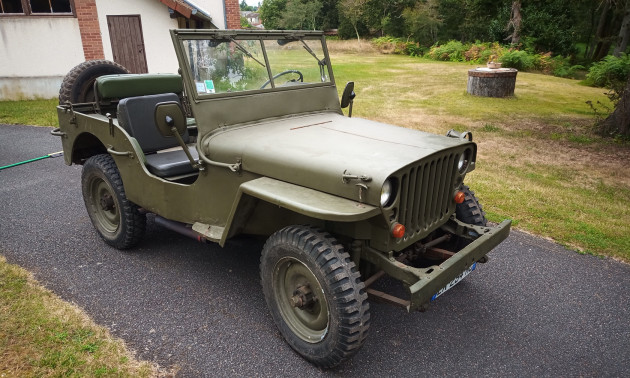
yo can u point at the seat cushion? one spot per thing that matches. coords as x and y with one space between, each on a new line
171 163
137 116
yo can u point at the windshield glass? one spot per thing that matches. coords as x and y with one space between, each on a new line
304 56
229 65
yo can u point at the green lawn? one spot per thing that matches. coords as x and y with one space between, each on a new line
35 112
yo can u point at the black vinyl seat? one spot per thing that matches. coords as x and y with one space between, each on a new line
137 116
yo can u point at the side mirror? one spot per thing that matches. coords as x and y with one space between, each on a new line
171 122
348 97
169 114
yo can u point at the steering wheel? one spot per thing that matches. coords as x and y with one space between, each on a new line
300 78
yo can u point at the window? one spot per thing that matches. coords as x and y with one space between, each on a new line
36 7
11 6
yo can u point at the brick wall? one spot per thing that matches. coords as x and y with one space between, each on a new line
232 14
90 30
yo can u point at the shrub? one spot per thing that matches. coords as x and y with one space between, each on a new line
482 52
391 45
451 51
609 72
520 60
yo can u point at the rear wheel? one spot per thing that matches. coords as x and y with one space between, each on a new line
116 219
315 294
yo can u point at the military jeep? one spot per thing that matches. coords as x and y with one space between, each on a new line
250 138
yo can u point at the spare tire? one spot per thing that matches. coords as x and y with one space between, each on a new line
78 85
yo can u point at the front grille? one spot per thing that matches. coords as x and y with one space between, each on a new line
426 193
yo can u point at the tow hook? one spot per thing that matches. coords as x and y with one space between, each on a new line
484 259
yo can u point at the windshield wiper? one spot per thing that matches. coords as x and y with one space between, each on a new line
321 63
244 51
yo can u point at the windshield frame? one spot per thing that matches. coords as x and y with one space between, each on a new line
181 35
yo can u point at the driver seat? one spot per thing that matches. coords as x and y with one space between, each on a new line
164 157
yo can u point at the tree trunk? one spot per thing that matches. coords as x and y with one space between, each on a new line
600 28
624 32
618 123
515 23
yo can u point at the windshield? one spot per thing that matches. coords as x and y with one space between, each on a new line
229 65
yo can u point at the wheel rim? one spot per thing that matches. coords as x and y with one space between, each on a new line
301 300
104 205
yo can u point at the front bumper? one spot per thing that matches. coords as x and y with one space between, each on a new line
423 283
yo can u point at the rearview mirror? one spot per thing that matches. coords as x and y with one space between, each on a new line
348 97
169 114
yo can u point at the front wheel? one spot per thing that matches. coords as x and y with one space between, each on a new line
470 211
116 219
315 294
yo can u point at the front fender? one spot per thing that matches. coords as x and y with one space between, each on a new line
301 200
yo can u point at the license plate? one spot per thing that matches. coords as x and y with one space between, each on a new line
454 282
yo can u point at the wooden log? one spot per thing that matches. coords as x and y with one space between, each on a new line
488 82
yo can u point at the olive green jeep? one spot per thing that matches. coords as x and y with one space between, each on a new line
250 138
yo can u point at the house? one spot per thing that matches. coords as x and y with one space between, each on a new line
253 18
40 41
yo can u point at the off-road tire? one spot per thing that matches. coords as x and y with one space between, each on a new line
78 85
116 219
470 211
297 250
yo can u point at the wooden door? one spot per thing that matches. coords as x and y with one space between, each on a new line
125 34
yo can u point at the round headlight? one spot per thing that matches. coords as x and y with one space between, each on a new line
461 164
464 160
386 192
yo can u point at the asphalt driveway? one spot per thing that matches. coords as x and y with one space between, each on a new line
535 309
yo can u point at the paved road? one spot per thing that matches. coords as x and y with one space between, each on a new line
534 310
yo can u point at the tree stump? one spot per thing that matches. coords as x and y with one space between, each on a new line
491 82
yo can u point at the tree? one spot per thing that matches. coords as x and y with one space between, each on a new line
353 10
245 7
618 122
624 31
271 13
515 23
301 14
423 21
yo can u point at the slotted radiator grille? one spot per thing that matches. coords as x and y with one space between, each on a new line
426 192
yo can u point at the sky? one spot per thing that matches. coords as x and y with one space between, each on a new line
251 2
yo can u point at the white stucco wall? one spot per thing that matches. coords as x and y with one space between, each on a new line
35 54
215 9
156 24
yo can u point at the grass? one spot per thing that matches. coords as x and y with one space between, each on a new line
43 336
539 161
35 112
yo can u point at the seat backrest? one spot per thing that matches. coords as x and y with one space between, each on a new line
137 116
131 85
109 89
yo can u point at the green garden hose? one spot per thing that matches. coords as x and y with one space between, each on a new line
52 155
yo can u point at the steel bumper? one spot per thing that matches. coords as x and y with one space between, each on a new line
423 283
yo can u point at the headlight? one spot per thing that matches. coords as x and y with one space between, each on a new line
464 161
386 193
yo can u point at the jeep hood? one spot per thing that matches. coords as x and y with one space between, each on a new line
315 150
